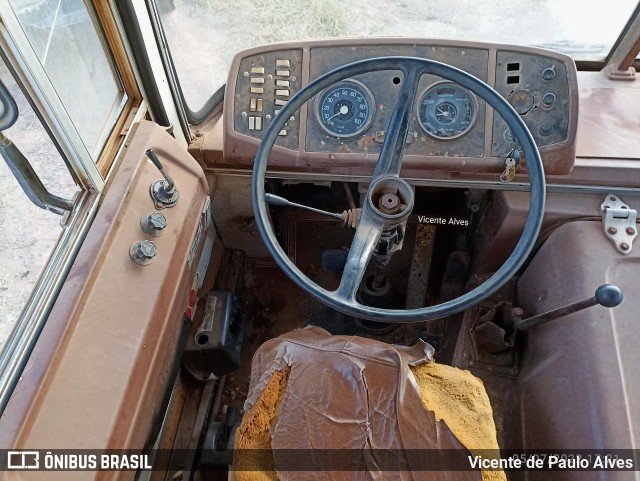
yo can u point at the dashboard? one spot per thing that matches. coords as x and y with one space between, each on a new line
341 130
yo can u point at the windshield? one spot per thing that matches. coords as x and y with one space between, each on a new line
204 35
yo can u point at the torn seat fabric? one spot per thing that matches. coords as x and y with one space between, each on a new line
347 408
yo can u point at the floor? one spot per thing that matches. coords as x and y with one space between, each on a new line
273 305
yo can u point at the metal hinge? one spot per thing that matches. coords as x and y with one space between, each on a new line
619 222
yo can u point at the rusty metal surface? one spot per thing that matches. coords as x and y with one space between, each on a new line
501 223
590 357
471 154
273 305
326 58
420 266
101 365
576 386
243 95
233 216
552 108
606 144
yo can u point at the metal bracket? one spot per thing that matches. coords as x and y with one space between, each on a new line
614 73
619 222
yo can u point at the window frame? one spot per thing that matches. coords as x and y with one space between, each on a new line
91 176
120 57
623 53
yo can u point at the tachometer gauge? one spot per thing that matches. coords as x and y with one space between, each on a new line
447 111
345 110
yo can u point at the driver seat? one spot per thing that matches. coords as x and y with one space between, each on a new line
345 407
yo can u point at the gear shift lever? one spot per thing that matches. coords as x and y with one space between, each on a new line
163 192
606 295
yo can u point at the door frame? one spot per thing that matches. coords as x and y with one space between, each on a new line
91 176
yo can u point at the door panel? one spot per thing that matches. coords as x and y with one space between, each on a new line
103 361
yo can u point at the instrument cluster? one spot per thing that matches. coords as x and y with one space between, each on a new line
444 111
344 126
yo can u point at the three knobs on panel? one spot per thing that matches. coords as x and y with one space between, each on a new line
165 195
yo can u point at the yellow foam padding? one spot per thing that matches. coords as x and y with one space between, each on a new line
455 396
459 399
255 432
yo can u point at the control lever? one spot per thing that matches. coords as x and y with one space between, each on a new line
163 192
606 295
348 217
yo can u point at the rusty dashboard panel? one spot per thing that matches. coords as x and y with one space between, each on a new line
265 84
342 129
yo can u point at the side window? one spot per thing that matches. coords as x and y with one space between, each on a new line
71 49
27 233
86 91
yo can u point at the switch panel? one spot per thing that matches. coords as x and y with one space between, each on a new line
537 87
265 84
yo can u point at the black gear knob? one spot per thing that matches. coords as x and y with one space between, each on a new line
607 295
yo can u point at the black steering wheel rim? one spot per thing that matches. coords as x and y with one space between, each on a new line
411 67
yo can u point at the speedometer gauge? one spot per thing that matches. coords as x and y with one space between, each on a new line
345 110
447 111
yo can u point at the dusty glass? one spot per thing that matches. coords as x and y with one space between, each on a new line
69 47
27 233
203 35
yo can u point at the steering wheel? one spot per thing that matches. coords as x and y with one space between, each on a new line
386 178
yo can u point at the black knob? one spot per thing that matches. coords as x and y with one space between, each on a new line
608 295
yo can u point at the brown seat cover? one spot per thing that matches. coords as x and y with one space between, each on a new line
323 395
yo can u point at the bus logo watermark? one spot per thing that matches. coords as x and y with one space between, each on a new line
23 460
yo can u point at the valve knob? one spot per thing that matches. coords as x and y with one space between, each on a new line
153 224
143 252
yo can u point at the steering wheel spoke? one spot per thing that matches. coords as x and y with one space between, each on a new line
364 242
395 139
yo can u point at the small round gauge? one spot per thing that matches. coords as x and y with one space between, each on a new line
345 110
521 100
447 111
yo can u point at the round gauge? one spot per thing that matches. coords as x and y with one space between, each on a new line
521 100
345 110
447 111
